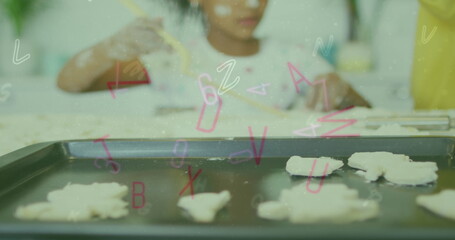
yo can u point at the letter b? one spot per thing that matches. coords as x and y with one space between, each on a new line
141 194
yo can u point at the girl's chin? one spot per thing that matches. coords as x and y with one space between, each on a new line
244 35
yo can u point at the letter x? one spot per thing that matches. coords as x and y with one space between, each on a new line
190 183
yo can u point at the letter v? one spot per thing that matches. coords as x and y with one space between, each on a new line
257 156
424 38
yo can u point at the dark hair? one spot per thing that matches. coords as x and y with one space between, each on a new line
183 7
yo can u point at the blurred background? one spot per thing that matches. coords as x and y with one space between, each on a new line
52 31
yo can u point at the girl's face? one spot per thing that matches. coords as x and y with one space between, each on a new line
235 18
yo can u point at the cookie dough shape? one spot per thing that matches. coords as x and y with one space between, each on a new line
440 204
335 203
203 207
396 168
77 202
273 210
303 166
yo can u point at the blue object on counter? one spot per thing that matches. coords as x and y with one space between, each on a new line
53 63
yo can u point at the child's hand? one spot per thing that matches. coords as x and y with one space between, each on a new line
136 39
337 94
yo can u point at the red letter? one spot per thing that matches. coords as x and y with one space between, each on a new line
117 82
109 156
190 182
292 69
134 194
349 123
311 175
257 156
215 121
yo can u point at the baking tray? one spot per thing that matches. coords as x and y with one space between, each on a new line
27 175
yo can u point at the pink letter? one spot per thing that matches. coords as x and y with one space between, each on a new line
198 126
203 89
134 194
311 174
115 165
292 69
257 156
190 182
256 91
240 153
349 123
116 170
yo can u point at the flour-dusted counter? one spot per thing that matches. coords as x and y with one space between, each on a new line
20 130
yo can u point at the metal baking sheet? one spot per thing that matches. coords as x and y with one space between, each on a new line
27 175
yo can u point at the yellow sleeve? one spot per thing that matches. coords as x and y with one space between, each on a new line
433 74
444 10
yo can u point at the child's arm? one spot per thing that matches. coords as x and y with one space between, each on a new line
90 70
339 93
